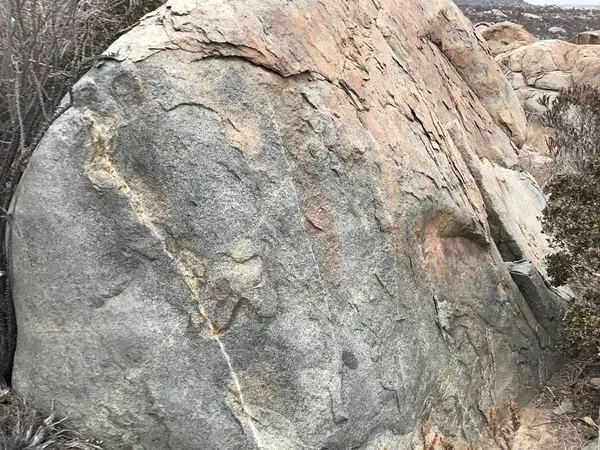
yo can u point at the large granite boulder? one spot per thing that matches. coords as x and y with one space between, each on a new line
280 225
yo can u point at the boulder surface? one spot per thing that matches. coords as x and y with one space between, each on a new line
280 225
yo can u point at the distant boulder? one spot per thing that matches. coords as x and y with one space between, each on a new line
499 14
506 36
557 30
481 26
491 2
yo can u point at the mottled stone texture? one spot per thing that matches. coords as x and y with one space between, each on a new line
275 225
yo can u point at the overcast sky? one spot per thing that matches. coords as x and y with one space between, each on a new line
565 2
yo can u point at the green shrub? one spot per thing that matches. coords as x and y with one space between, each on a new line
582 325
572 219
572 215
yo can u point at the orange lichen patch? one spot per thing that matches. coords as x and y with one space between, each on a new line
446 255
408 17
448 247
313 27
317 213
459 58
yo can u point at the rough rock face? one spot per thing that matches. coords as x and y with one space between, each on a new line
545 67
505 36
547 303
280 225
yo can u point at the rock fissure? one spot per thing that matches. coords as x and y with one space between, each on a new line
194 104
211 49
188 267
352 94
240 395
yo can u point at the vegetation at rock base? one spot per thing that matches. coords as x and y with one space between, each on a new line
582 322
572 216
500 432
45 46
22 427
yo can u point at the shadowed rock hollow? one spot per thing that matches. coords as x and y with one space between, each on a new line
280 225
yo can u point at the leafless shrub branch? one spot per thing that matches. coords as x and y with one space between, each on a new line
45 46
22 427
575 120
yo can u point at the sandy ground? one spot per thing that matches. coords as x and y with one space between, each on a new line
541 429
565 415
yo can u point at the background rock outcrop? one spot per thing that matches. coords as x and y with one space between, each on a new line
537 19
494 2
544 68
280 225
587 38
505 36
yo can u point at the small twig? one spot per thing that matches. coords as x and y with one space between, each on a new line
545 423
533 420
580 371
532 437
561 408
598 427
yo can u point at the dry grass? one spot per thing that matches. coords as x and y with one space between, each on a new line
564 415
503 425
23 428
502 428
574 118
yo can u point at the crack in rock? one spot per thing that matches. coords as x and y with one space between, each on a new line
102 173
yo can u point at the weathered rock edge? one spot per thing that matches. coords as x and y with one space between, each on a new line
274 225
